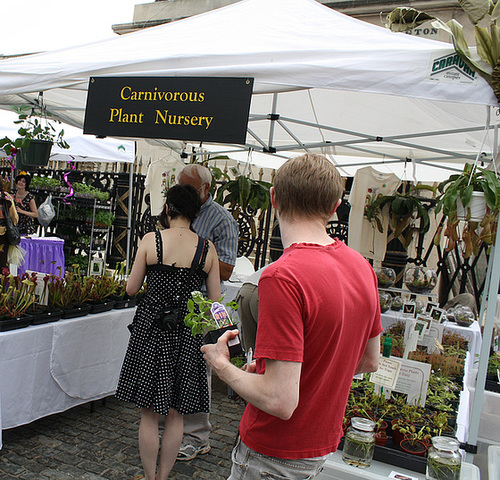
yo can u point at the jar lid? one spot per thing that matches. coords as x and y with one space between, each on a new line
363 424
447 444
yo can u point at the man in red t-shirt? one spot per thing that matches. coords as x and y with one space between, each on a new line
319 324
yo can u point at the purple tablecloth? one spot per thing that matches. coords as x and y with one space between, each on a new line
43 255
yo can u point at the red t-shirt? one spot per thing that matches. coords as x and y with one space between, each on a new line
318 305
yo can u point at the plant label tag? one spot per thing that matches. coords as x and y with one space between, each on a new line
220 314
495 343
387 373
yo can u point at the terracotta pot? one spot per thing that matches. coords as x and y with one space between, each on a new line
382 427
397 436
380 438
416 447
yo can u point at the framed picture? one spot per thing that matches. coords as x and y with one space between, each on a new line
430 306
422 325
410 309
438 314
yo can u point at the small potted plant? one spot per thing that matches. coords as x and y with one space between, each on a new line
37 134
413 440
17 295
201 321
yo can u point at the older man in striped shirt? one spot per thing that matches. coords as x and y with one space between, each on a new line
218 225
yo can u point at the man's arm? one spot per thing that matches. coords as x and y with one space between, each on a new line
371 355
276 392
225 270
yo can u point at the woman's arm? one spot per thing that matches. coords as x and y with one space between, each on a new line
213 279
136 278
32 212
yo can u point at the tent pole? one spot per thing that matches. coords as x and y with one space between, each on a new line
491 289
129 216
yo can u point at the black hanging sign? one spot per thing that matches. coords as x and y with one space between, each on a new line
202 109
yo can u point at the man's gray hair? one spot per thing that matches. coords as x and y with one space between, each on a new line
195 168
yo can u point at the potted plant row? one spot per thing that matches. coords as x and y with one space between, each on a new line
404 431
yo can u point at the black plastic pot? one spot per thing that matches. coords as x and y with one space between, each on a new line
40 318
75 312
212 337
13 323
36 155
104 306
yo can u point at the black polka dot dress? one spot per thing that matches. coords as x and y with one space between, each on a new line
164 369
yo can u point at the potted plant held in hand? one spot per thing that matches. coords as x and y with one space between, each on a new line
206 317
37 134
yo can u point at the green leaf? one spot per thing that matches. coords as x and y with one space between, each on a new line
402 19
485 46
476 10
466 195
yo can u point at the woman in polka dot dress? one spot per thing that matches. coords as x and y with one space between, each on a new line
163 372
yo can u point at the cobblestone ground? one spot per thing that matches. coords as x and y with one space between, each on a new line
102 445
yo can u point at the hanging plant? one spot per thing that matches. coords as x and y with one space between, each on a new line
403 210
458 190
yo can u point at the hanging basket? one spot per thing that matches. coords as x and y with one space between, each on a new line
36 155
477 206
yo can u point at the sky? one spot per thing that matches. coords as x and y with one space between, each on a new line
32 25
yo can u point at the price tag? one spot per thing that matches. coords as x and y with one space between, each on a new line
220 314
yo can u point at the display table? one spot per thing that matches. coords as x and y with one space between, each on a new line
336 469
472 334
47 369
43 254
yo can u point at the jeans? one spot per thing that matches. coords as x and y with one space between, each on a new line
250 465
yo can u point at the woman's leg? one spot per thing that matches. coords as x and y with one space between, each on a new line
149 441
170 442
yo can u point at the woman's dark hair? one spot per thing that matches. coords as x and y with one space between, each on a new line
182 201
26 177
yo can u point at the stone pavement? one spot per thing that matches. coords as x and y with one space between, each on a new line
102 445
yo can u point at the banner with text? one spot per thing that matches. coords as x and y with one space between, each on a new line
202 109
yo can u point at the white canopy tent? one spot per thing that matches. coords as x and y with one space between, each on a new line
322 81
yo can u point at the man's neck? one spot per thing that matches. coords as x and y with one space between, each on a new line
310 230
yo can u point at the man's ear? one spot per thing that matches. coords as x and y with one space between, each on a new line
273 198
339 201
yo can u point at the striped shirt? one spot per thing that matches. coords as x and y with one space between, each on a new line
218 225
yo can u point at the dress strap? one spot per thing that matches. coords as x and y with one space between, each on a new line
159 247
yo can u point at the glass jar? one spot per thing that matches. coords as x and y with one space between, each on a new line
443 459
386 276
420 279
359 443
385 300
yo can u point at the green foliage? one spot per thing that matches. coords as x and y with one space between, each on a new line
90 192
34 127
403 210
461 186
104 218
44 183
199 318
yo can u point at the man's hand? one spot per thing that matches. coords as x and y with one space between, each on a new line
217 355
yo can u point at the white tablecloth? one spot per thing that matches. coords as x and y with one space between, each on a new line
472 333
336 469
47 369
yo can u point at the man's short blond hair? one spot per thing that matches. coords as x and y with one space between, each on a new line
307 186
